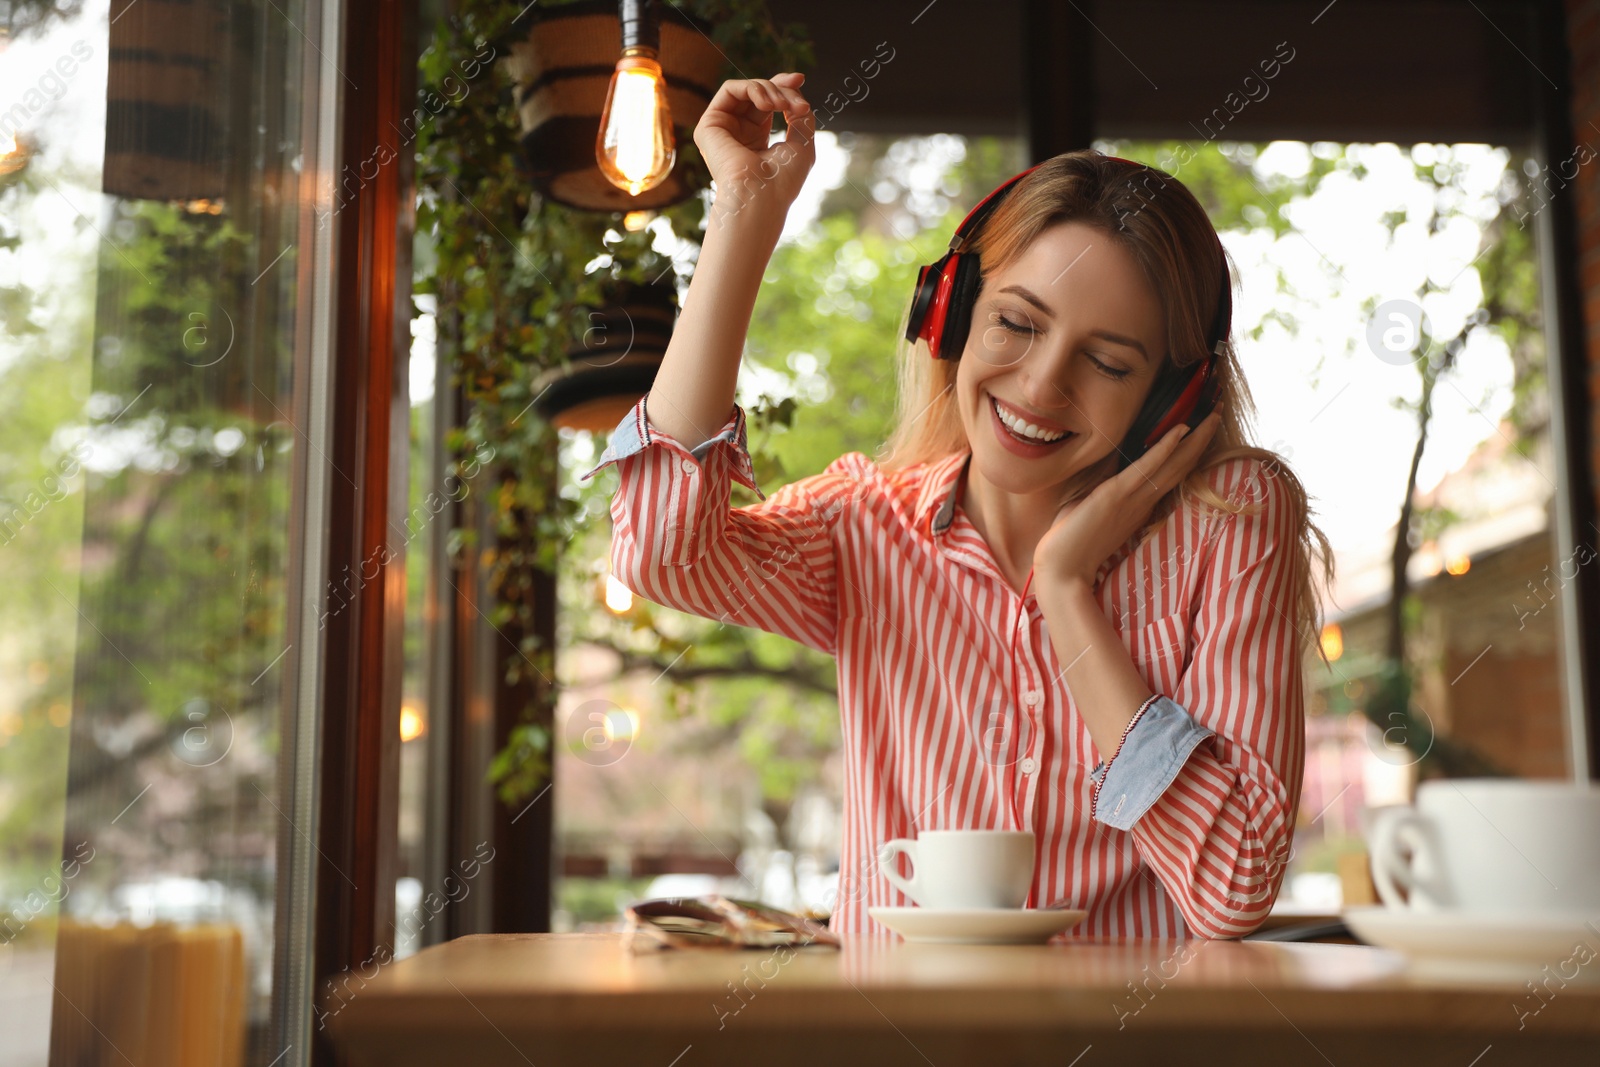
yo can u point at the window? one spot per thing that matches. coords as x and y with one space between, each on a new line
156 273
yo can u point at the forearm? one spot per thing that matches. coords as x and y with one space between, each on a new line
1215 826
1219 838
675 540
1106 688
693 391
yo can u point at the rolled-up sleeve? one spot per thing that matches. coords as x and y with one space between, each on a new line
676 542
1146 762
1208 780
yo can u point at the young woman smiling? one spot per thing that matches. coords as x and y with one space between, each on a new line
1043 618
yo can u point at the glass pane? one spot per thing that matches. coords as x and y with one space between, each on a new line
425 512
150 237
430 514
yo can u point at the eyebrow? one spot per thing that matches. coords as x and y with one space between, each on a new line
1105 335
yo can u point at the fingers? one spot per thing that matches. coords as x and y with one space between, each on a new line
1181 434
1204 428
1170 459
770 95
778 93
1186 449
801 132
743 109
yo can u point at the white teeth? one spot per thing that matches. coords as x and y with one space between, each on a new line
1027 429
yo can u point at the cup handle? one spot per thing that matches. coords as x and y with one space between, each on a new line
886 860
1392 830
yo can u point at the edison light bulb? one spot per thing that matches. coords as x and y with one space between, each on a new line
635 147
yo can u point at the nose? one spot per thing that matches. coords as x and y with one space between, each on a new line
1046 377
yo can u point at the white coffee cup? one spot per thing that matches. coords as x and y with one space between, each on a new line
963 868
1490 844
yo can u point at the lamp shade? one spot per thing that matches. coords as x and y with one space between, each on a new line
616 362
166 99
562 59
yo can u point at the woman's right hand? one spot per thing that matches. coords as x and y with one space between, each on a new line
732 136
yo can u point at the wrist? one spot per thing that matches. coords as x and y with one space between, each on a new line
1065 585
734 255
735 207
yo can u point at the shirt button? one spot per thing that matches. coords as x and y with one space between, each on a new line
1029 765
688 465
1031 697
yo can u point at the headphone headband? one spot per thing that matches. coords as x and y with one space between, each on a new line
1224 313
984 208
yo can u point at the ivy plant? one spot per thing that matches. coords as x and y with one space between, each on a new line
512 276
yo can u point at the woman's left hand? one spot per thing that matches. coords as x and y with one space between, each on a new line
1086 532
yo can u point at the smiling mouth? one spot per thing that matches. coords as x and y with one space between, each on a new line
1024 431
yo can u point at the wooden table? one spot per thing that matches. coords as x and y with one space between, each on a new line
557 999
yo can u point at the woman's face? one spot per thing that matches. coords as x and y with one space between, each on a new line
1069 337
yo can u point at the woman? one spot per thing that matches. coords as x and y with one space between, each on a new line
1039 623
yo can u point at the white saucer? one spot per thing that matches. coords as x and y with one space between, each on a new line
977 926
1467 944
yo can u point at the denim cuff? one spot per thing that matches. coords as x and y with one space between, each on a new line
635 432
1151 756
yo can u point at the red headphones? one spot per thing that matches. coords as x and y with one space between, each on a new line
947 291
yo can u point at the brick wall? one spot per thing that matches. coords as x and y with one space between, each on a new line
1487 653
1492 669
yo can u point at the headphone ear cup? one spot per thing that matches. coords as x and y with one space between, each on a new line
964 287
1178 398
930 307
1163 394
1194 402
922 300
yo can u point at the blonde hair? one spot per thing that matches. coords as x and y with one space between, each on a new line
1163 227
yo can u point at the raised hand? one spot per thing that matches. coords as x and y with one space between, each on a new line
732 136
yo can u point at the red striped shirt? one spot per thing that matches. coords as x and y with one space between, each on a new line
885 572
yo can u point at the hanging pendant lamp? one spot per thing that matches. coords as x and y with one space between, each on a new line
615 363
565 59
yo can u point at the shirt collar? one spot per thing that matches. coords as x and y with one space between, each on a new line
941 491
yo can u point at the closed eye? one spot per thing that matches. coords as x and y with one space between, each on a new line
1113 372
1018 328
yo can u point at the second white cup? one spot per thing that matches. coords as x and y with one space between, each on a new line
1490 844
963 868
